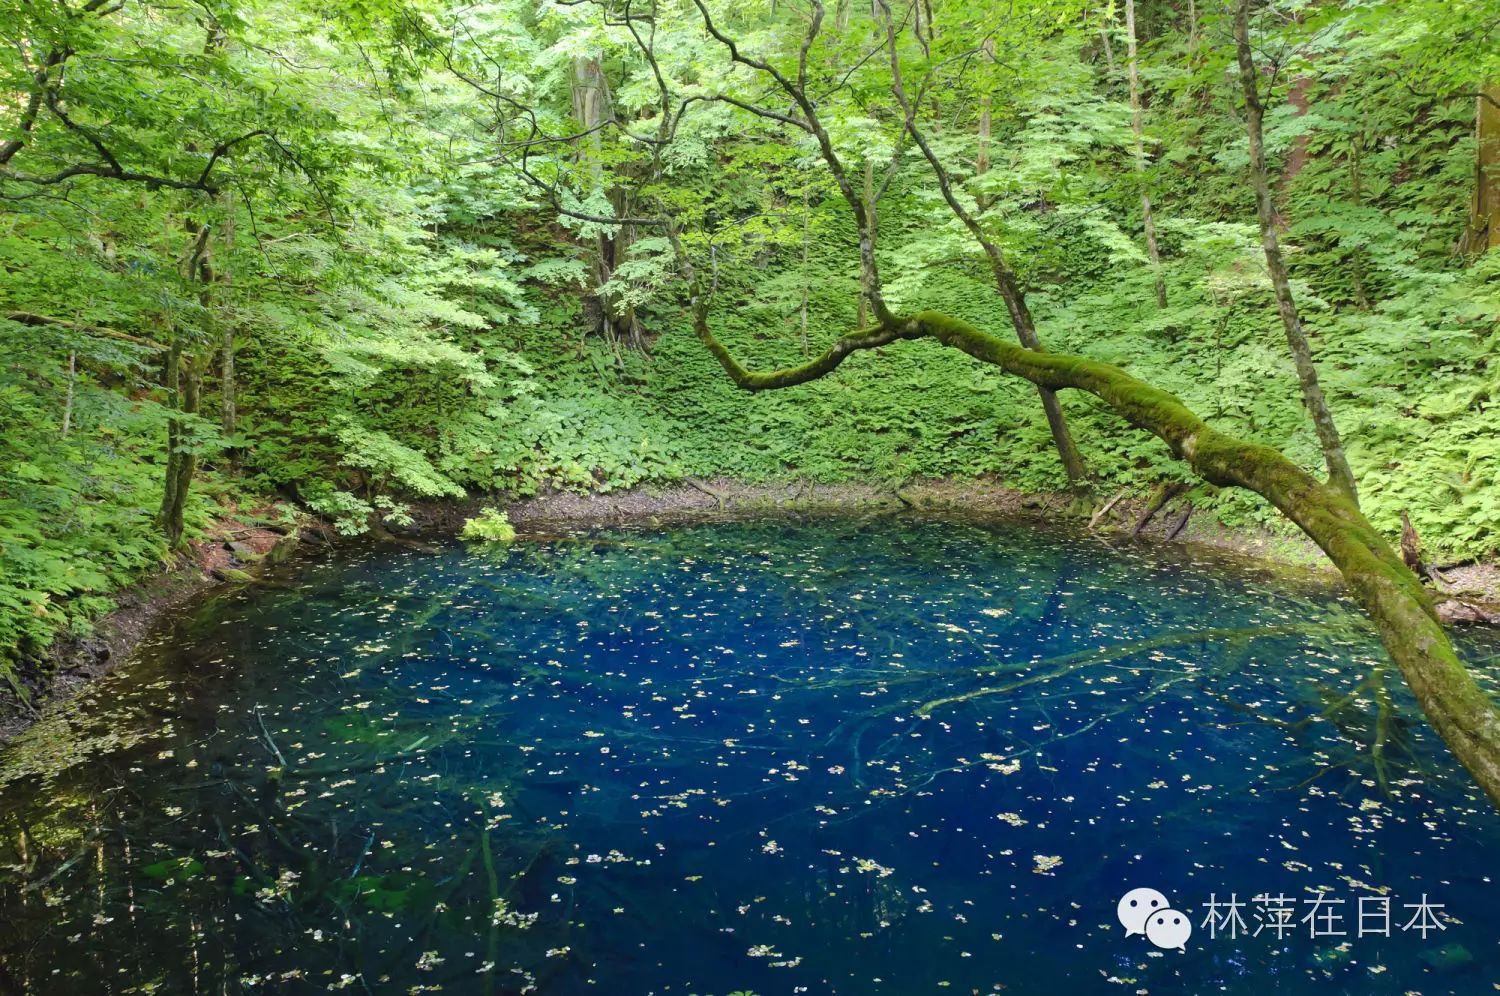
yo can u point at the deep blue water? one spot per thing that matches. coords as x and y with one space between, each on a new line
886 756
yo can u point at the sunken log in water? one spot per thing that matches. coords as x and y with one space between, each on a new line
1393 596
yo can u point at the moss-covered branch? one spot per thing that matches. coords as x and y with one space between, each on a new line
1458 709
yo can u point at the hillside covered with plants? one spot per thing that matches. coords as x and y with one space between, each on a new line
263 256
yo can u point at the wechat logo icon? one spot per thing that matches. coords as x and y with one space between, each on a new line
1147 912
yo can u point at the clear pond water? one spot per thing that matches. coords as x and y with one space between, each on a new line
885 756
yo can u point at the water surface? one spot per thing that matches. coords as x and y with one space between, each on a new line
886 756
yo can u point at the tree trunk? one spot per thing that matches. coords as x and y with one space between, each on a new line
1005 283
184 376
593 106
1357 198
169 516
869 197
228 390
1339 474
1057 422
1140 155
982 158
1109 48
1460 711
1015 303
67 421
185 464
806 232
1484 214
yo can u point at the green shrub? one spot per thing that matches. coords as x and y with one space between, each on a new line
489 526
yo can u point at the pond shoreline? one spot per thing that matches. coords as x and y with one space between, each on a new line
74 663
713 498
225 555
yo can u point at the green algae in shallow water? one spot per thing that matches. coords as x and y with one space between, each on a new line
698 762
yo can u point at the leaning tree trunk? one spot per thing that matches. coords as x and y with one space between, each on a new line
1483 232
1005 282
1458 709
1339 474
1140 155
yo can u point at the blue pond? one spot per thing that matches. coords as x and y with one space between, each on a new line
892 755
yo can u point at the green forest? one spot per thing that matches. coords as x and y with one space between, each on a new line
268 258
406 580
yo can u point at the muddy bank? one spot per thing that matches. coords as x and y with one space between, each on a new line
229 554
233 554
715 497
1175 521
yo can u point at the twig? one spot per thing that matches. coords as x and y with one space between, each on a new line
1176 530
274 749
1164 493
1108 506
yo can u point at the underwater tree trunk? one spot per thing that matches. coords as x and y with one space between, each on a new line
1339 474
1403 613
1458 709
1140 154
1483 232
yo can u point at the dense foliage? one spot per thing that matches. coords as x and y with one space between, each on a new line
347 257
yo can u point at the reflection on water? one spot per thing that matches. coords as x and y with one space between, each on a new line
840 757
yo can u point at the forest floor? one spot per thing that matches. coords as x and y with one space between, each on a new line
229 552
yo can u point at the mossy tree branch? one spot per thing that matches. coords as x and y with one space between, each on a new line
1458 709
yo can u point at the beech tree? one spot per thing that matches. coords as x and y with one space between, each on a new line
1339 473
780 89
267 254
